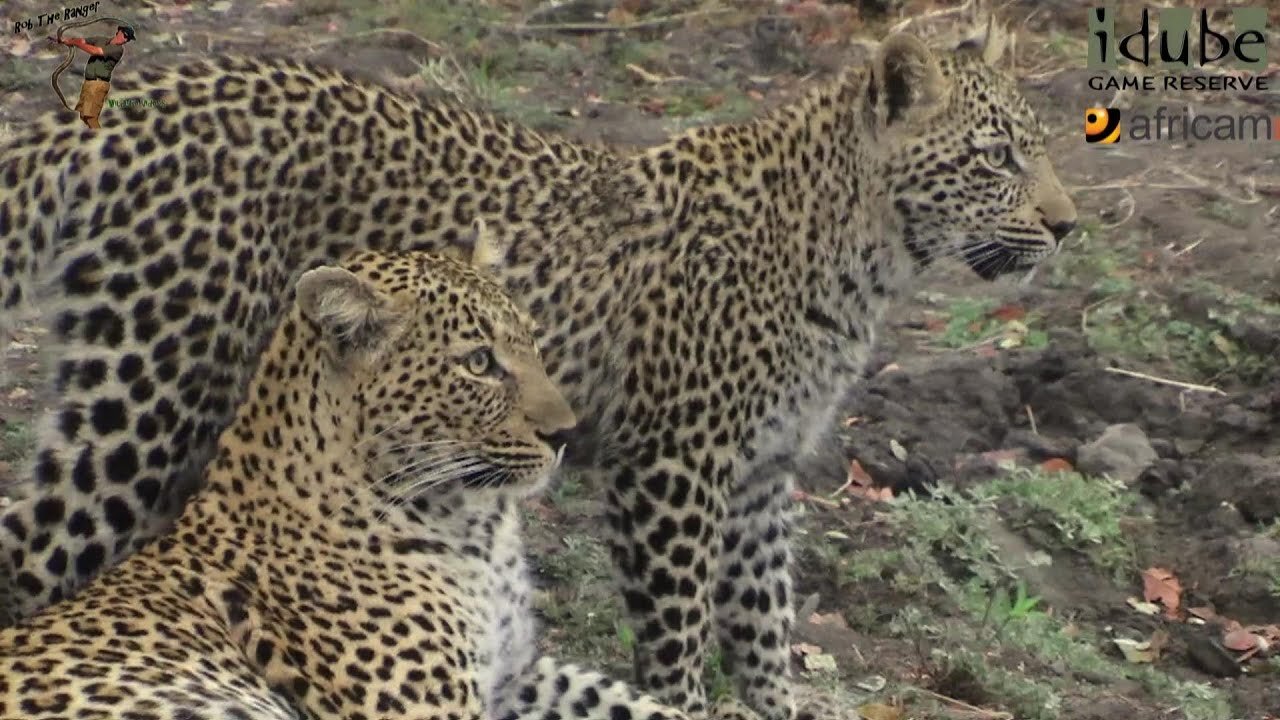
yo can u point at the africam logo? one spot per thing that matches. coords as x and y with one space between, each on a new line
1101 125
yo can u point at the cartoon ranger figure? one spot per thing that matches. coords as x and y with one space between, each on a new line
104 54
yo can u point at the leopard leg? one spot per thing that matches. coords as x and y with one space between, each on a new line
549 690
753 611
665 539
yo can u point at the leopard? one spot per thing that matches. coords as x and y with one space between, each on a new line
704 303
355 549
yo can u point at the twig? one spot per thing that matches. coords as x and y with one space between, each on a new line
376 31
974 709
1167 381
848 481
1084 314
1196 183
1031 417
933 15
653 78
808 497
1188 248
1132 204
612 27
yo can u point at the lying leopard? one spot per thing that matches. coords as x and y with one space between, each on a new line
704 303
355 551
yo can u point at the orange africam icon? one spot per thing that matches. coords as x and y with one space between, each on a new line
1101 125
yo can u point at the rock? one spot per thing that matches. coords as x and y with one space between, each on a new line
1257 334
1121 452
1166 448
1188 446
1041 447
1250 482
1210 657
1225 516
1259 501
920 478
1236 419
1255 551
1160 477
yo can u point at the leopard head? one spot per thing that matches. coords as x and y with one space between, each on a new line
444 370
965 153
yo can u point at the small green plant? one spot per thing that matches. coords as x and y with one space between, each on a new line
971 322
1263 567
568 487
1227 213
717 676
968 654
16 441
1149 331
1087 513
626 636
1002 610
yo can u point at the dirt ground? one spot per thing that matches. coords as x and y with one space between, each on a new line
1050 499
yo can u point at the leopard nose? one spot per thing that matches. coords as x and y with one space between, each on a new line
1061 229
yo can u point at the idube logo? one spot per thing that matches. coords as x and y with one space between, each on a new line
1169 40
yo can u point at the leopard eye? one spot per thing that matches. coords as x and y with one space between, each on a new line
481 362
998 156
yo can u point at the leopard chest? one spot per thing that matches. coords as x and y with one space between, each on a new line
807 407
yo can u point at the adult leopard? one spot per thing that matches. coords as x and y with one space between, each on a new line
355 551
704 303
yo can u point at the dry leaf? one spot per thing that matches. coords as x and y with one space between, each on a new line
898 451
833 619
803 649
1135 651
874 494
805 8
1159 641
890 368
1160 585
859 476
854 420
1242 641
1002 458
935 324
1146 608
620 16
879 711
655 106
1008 313
1054 465
820 663
1204 612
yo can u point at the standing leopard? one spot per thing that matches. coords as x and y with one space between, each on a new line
355 549
703 303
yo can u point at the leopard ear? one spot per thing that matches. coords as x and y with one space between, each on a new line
906 80
355 318
989 43
479 245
